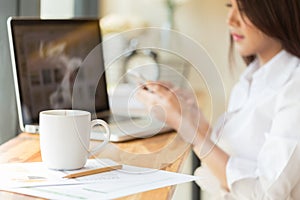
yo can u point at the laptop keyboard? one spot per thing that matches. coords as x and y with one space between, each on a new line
124 130
115 118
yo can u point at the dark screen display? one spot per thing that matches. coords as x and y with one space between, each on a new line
49 54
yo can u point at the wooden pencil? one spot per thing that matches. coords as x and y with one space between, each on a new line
93 171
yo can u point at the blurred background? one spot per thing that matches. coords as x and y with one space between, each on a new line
203 21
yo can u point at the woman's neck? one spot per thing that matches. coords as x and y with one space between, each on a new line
265 56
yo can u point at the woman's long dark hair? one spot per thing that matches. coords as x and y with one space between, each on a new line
279 19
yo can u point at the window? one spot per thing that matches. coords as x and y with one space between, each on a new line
8 120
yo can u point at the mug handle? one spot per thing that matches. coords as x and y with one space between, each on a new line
107 134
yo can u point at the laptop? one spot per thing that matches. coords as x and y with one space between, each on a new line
47 56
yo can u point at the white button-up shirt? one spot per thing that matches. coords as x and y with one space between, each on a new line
261 133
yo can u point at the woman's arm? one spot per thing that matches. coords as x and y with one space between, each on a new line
213 156
179 109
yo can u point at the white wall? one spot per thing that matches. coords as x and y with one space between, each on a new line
57 8
151 10
202 20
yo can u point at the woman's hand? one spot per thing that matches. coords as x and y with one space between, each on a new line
177 107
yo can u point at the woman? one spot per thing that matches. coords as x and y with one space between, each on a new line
258 153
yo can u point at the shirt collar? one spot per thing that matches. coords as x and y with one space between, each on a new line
275 72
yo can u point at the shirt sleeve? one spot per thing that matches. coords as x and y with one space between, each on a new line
276 171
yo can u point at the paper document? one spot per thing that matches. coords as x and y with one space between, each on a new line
108 185
37 174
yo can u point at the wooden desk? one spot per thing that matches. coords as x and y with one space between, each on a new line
164 151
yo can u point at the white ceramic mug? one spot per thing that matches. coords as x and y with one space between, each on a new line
65 138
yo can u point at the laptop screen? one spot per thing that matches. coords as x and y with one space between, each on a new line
48 55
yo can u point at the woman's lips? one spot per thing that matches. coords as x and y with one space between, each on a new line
236 37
